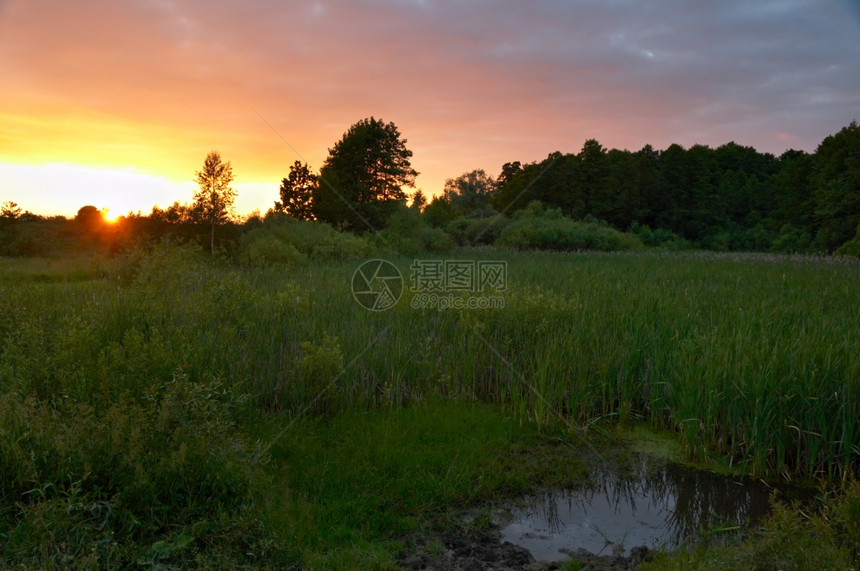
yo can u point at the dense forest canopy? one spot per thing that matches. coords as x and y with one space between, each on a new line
731 197
728 198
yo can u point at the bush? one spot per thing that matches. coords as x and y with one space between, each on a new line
267 250
476 231
407 233
851 247
436 240
734 238
791 240
660 238
790 538
287 241
547 229
164 479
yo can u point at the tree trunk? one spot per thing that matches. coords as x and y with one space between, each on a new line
212 240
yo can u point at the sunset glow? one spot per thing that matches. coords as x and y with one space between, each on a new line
116 104
111 216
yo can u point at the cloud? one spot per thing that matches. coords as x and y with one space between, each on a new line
470 84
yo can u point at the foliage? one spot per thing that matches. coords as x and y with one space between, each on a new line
663 239
407 233
178 213
364 478
791 240
538 228
320 367
789 539
297 192
837 191
89 216
419 201
123 383
362 179
9 211
508 172
440 212
285 240
728 198
851 247
476 231
214 198
160 480
471 193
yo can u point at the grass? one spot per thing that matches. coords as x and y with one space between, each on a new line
163 407
790 538
361 480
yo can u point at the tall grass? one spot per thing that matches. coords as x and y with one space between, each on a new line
752 359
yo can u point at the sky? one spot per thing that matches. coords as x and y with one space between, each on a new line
116 103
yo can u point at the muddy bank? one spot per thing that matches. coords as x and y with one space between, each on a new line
486 551
613 520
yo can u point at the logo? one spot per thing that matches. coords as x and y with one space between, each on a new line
377 285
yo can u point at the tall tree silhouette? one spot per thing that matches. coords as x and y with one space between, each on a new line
362 180
297 192
215 196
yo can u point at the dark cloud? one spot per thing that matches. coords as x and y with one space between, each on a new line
471 84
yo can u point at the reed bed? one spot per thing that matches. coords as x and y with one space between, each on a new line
751 359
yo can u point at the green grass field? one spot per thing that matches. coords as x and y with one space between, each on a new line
166 408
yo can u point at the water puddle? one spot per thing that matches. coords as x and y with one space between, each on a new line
657 504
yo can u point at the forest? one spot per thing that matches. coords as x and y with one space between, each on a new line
729 198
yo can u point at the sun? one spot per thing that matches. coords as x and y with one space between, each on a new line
110 217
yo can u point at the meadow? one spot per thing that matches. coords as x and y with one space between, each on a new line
165 407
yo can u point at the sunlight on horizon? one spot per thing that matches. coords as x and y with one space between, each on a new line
62 189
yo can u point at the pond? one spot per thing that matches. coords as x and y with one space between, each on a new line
653 504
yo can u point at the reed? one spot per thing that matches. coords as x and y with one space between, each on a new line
752 359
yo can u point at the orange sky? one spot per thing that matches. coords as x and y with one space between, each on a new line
116 103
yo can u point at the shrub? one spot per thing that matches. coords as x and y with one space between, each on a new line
476 231
267 250
436 240
160 480
547 229
319 368
851 247
287 241
660 238
407 233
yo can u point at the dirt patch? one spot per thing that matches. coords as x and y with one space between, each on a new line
485 551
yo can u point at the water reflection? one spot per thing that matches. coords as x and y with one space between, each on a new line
657 504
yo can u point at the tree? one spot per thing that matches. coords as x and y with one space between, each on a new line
419 201
10 211
297 192
794 203
177 213
440 212
837 187
591 182
471 193
90 217
215 197
361 182
508 172
518 188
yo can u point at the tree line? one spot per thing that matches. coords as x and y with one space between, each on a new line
731 197
727 198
